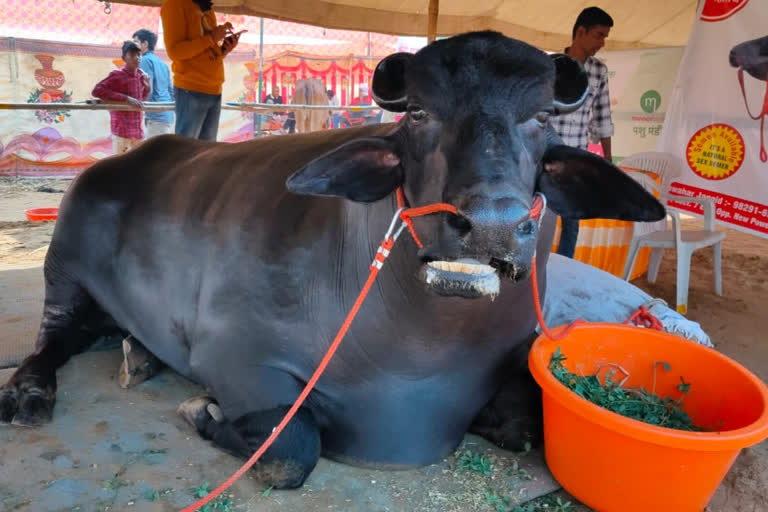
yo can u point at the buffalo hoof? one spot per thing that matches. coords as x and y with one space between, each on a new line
9 404
200 410
26 405
280 474
515 434
139 364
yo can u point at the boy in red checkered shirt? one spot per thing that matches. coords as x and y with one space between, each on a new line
128 84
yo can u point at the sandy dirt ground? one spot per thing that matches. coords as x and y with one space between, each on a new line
111 449
734 321
22 241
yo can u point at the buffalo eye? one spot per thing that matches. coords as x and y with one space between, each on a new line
416 113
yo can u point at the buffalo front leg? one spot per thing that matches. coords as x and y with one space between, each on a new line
512 418
287 462
27 399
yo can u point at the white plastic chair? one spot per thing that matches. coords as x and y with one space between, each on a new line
657 235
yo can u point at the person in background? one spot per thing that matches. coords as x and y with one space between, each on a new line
197 46
127 84
364 99
290 120
363 95
156 123
274 97
337 116
592 121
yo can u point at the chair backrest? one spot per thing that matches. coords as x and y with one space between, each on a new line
666 165
649 184
646 181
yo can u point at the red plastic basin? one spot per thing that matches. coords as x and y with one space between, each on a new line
38 214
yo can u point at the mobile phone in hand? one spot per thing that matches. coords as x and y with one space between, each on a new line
231 39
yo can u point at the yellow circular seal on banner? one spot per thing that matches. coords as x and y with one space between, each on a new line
715 152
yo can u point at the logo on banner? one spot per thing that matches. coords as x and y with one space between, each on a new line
719 10
650 101
715 152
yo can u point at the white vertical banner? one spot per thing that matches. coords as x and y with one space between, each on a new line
716 118
640 84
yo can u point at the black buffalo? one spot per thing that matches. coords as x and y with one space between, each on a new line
239 282
752 57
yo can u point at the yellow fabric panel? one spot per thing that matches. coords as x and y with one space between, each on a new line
610 258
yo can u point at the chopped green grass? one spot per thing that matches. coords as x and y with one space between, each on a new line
218 504
475 462
635 403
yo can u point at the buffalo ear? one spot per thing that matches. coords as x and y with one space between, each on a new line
361 170
571 84
389 82
581 185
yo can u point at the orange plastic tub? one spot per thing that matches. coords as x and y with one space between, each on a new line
37 214
616 464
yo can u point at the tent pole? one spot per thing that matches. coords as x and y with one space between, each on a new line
261 69
434 9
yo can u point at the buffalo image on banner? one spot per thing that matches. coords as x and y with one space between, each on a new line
716 118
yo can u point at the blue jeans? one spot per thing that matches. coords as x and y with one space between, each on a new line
197 114
339 121
569 232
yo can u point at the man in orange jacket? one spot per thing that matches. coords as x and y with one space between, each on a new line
196 46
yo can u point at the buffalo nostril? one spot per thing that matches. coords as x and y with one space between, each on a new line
526 228
459 223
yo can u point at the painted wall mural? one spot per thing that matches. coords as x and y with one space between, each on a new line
50 81
57 50
60 142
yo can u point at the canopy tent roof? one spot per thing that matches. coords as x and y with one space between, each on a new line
85 22
546 24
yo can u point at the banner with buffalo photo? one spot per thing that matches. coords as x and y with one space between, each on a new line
716 120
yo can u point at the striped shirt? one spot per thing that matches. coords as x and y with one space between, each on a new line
592 121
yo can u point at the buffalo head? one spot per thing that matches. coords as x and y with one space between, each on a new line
476 135
752 57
